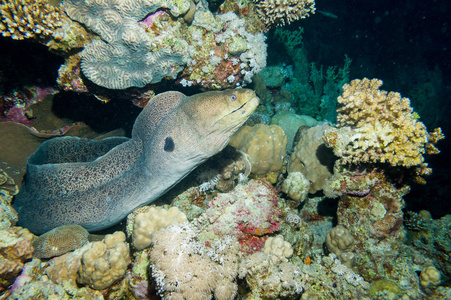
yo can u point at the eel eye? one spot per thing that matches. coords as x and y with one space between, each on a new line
232 97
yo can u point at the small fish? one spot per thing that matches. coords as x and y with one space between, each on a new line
327 14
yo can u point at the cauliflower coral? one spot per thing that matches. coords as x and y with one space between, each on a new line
377 126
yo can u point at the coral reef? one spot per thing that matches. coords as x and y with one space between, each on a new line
284 12
270 278
290 124
225 55
416 221
265 145
224 171
16 106
434 243
376 126
143 42
148 222
59 241
104 262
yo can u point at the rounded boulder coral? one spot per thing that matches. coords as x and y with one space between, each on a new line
265 145
104 262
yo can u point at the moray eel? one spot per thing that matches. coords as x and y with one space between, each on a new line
95 184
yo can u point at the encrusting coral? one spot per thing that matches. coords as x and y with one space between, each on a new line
105 262
377 126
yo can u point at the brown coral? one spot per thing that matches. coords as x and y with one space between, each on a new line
15 250
265 145
22 19
8 188
60 240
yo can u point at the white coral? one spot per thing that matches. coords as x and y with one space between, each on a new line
185 268
153 219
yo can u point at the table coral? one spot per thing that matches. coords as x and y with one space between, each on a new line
376 126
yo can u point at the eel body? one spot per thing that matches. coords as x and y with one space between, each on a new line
96 184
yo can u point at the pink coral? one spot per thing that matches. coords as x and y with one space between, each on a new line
15 106
249 213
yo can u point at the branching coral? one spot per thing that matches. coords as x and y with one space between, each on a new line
377 126
282 12
21 19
